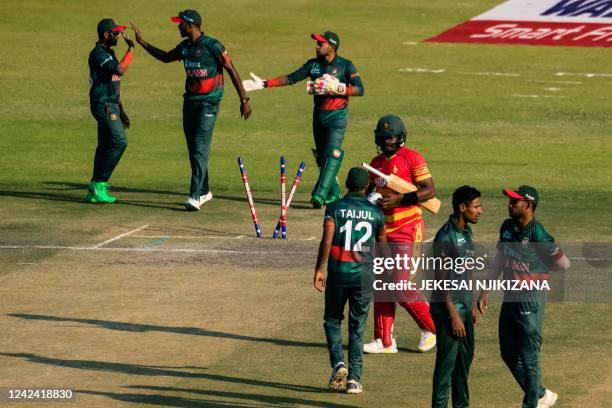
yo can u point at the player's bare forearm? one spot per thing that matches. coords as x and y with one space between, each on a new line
231 71
426 189
354 90
325 244
161 55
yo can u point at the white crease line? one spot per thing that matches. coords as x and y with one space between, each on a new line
537 96
422 70
552 89
585 74
504 74
74 248
558 82
210 237
118 237
410 43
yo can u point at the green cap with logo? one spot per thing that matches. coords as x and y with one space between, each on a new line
389 126
524 193
108 24
327 37
357 178
188 16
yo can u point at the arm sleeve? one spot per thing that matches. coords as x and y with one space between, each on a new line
104 61
420 170
178 50
299 75
547 247
353 81
329 214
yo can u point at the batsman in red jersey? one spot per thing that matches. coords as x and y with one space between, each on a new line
403 226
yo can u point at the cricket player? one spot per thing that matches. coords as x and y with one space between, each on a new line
105 73
452 311
333 80
525 252
351 225
204 59
403 226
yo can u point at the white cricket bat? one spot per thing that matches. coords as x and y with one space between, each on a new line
402 186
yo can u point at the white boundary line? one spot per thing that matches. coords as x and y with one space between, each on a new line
118 237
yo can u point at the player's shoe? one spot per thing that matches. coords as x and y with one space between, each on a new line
548 400
337 381
427 342
98 193
206 198
192 204
317 201
353 387
376 347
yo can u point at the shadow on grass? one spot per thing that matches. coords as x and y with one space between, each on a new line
165 401
41 195
270 399
194 331
68 186
156 371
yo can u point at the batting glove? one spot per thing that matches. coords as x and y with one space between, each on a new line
329 85
374 197
253 84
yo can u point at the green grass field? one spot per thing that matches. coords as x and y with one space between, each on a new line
180 312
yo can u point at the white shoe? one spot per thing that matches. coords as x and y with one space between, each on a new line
337 381
192 204
427 342
205 198
353 387
548 400
376 347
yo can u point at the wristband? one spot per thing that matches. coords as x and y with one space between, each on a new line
410 198
244 100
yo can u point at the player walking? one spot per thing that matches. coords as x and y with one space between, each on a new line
332 80
525 252
404 227
105 73
204 59
452 311
351 225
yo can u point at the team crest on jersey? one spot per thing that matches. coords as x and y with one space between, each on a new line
395 169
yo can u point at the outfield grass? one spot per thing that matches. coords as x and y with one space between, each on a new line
471 129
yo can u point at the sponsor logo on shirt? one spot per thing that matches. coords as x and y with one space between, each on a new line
315 70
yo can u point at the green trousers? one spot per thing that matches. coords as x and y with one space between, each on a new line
328 129
112 141
453 359
359 305
520 340
199 119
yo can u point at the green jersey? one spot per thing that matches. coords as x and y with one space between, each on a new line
104 75
452 242
357 222
526 252
204 68
340 68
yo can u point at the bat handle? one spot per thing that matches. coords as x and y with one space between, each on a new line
375 171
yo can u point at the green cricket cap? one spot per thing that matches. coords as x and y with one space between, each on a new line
108 24
389 126
524 193
327 37
188 16
357 178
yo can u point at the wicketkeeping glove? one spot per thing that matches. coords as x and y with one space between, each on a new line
329 85
253 84
310 87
